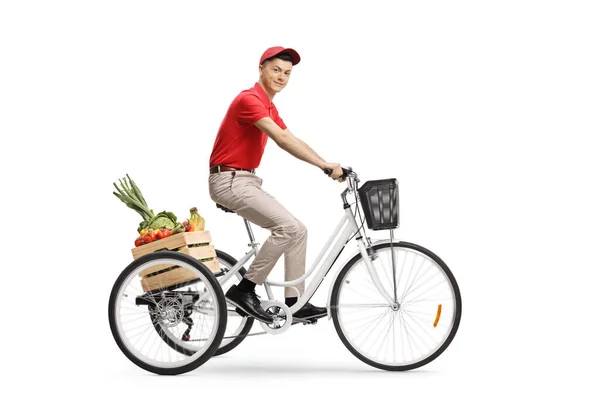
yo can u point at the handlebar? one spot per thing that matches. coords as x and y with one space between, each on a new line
352 182
345 172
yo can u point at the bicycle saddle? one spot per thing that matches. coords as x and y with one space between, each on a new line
224 208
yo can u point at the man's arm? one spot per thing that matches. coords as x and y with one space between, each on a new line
296 147
290 143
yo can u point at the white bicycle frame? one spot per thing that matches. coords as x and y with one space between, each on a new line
343 231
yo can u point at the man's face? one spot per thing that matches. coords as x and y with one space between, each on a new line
275 74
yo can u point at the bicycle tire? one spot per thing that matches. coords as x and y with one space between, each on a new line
204 274
248 322
341 279
179 345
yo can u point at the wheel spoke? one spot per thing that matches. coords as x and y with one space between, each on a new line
372 326
356 288
363 305
428 290
366 321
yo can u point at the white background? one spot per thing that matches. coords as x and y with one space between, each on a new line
485 112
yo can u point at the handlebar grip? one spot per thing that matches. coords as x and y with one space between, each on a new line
329 171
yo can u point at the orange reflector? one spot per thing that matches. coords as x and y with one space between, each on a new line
437 317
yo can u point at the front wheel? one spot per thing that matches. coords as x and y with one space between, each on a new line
417 327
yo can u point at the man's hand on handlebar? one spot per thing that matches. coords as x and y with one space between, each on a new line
334 171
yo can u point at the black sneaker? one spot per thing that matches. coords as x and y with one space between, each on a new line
248 303
310 311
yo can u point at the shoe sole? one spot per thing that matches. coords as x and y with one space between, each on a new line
249 314
311 316
310 320
241 312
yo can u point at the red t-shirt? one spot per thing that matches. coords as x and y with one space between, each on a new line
239 143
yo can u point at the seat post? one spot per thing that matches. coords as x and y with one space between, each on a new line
250 234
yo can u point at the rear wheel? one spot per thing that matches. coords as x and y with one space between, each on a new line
180 294
415 329
237 326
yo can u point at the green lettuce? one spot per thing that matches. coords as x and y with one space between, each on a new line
163 219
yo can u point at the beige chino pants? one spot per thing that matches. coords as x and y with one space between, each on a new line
241 191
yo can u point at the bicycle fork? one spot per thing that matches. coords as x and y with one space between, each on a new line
366 255
373 273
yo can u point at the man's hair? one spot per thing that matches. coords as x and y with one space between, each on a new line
282 56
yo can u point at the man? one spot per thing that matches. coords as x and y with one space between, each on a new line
251 119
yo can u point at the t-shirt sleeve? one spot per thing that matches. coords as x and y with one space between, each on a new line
251 109
279 121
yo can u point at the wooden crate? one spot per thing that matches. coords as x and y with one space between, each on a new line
164 275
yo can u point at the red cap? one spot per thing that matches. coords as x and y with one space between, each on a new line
273 51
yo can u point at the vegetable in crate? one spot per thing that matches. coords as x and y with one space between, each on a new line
131 195
196 219
178 228
189 226
163 233
149 237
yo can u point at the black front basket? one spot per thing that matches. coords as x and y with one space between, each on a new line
380 203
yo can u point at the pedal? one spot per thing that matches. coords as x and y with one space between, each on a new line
305 321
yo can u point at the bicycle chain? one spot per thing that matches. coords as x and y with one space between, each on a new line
246 335
230 337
